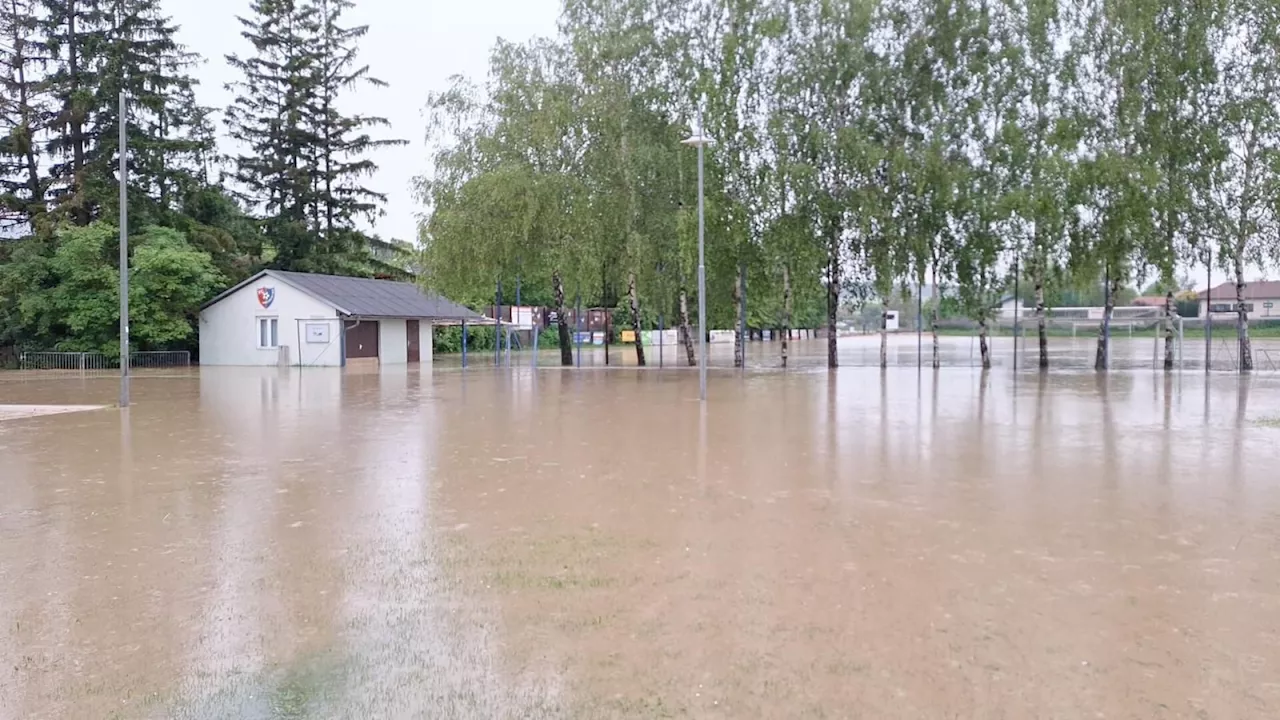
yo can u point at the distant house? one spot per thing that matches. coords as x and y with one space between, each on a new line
1156 301
13 227
1010 306
289 318
1261 299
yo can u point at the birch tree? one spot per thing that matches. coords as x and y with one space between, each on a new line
1245 185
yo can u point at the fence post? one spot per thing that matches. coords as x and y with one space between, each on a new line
82 362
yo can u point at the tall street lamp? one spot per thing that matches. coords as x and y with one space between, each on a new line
124 250
700 140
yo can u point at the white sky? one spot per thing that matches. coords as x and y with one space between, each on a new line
415 45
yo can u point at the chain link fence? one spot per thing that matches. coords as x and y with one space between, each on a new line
95 362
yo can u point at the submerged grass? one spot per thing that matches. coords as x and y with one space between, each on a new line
308 688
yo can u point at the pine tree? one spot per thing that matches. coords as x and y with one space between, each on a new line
24 114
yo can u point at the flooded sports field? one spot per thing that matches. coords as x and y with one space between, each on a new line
594 543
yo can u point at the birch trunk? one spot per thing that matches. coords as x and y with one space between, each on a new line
635 317
833 291
1237 260
562 319
933 318
686 335
1042 325
833 303
884 338
983 347
1168 331
786 312
1242 317
1102 360
738 339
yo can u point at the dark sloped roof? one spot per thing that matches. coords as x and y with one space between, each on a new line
365 297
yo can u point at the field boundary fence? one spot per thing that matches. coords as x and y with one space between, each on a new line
1126 324
89 363
1226 356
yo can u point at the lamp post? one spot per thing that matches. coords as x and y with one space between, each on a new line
124 252
700 140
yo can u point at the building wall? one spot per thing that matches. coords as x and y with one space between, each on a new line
425 341
1260 309
229 329
393 342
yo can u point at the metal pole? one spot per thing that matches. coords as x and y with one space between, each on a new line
660 331
742 313
1182 338
537 332
1017 310
464 343
515 319
497 329
577 320
1208 310
702 281
124 253
919 325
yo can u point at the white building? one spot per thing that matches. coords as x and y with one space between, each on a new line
288 318
1261 299
1010 307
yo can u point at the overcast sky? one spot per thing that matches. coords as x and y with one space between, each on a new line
415 45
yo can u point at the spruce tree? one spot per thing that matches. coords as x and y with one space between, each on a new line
73 35
167 130
269 117
24 114
343 141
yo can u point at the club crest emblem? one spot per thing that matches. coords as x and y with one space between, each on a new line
266 296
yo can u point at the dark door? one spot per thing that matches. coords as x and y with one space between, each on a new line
415 352
362 340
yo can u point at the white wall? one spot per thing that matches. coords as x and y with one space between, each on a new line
1260 309
393 342
229 329
425 342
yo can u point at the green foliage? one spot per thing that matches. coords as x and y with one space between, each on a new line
861 147
169 282
66 293
449 339
549 338
296 200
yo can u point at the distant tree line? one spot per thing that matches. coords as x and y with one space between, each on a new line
291 195
863 148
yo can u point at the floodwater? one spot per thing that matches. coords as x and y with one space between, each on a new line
908 349
594 544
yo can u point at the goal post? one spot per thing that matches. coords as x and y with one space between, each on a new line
1127 323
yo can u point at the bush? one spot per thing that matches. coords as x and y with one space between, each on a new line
549 338
449 339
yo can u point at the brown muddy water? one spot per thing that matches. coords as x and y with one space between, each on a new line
516 544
